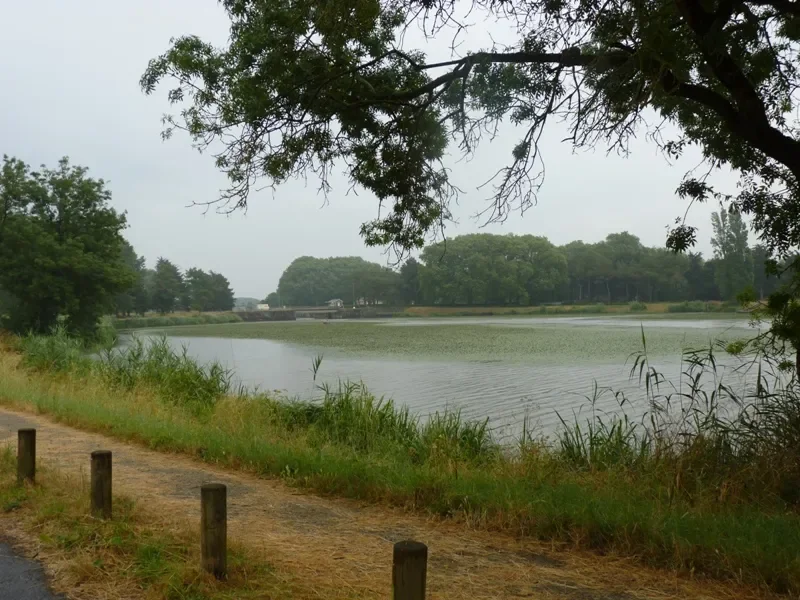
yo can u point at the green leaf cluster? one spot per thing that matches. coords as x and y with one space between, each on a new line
60 248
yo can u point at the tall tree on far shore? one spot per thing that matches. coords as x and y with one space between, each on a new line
222 298
167 286
701 278
410 284
765 281
734 273
133 298
200 296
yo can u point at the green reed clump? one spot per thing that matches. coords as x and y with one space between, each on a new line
637 306
449 435
603 442
351 416
58 352
175 376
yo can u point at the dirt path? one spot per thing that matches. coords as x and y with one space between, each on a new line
346 547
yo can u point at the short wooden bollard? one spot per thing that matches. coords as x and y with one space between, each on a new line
409 570
26 455
101 484
214 529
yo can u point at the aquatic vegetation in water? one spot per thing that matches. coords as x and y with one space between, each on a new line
521 341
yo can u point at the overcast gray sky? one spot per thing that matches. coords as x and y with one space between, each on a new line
69 77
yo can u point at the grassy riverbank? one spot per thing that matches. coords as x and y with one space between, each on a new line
711 503
573 309
137 554
172 320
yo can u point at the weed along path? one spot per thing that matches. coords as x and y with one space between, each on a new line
343 549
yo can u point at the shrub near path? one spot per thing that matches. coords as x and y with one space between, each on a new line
341 549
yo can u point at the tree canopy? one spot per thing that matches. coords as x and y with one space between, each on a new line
310 281
305 86
486 269
61 248
735 268
167 289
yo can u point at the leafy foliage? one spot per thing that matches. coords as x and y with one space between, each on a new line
208 291
310 281
135 298
496 270
492 269
61 248
303 87
167 286
734 272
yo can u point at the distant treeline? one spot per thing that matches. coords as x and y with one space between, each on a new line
166 289
486 269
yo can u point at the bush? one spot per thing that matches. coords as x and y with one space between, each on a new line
57 352
695 306
724 307
637 307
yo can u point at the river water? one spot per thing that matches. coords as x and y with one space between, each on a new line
507 392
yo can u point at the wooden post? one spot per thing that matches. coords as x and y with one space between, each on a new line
101 484
26 455
214 529
409 570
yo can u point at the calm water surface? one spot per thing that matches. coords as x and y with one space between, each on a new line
505 392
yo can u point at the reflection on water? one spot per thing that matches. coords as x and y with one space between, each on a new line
507 393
